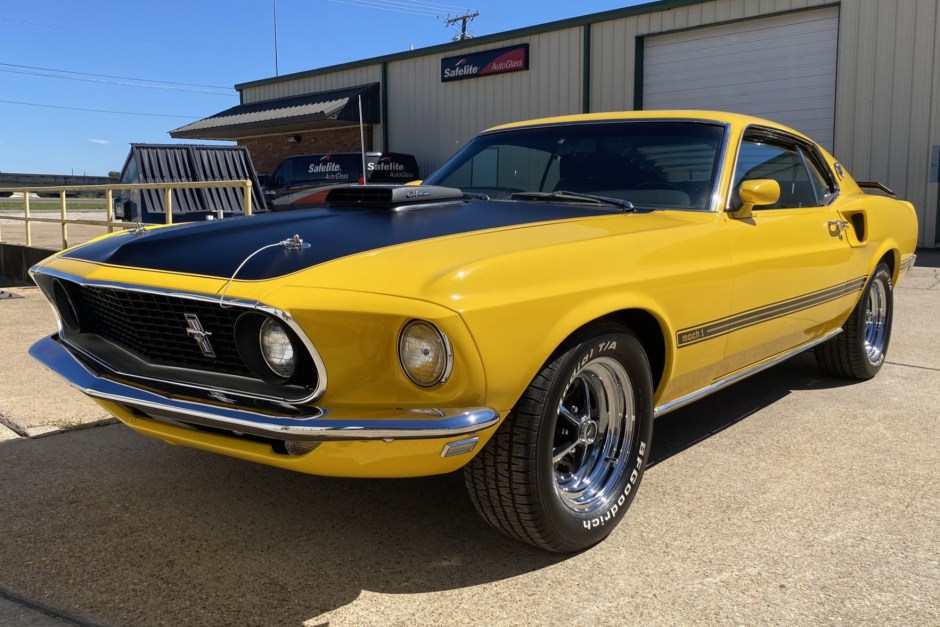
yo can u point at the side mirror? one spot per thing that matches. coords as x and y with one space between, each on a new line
756 193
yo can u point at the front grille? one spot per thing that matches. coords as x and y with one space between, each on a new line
154 327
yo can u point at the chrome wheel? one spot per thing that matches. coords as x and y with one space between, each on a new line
859 351
564 467
593 435
876 317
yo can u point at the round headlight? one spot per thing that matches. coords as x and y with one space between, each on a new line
277 349
424 353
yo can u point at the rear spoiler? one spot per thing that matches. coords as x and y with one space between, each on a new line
867 185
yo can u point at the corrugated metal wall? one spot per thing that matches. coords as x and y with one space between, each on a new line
781 67
312 84
433 119
456 111
888 98
613 48
887 83
887 90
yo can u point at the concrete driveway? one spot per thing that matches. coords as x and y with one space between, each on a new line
791 498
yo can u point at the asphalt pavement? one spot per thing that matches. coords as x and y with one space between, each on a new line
791 498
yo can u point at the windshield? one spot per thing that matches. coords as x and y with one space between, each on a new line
653 164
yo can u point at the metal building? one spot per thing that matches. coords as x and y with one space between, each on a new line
860 76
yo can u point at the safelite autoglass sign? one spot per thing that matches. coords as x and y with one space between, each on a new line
486 63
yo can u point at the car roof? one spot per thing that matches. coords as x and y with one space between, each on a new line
722 117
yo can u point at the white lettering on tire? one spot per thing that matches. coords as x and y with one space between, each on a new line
601 520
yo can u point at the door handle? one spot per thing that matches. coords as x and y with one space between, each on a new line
836 227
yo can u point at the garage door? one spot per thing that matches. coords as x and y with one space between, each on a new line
781 67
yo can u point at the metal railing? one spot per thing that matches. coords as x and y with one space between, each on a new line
109 190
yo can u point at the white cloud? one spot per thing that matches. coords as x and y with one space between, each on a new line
99 141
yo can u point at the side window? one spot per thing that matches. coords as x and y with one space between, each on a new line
280 176
783 162
821 184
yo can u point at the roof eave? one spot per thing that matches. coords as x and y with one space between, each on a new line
235 132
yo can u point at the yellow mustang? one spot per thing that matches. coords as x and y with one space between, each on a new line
523 314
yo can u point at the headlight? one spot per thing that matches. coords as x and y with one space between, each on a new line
277 349
424 353
270 349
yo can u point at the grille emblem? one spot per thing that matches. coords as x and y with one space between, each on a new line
198 333
221 397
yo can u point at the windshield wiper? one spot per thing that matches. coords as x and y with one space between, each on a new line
624 205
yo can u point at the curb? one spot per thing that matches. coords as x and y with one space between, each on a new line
7 434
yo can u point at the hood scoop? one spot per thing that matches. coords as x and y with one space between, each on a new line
393 197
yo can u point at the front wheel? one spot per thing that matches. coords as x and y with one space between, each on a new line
859 351
564 467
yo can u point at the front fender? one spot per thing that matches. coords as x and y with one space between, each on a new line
513 359
356 334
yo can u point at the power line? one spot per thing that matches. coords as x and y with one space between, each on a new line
127 78
46 106
364 4
164 42
427 9
110 80
433 5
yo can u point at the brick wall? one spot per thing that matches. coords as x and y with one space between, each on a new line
267 152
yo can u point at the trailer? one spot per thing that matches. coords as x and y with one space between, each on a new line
186 163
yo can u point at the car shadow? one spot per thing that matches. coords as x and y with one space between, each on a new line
689 425
121 529
928 258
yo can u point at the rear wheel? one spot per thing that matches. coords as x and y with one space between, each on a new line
859 351
562 470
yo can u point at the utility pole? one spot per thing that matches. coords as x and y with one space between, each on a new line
274 7
464 20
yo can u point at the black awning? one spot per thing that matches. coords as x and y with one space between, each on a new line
325 109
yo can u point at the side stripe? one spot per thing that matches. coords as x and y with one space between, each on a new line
723 326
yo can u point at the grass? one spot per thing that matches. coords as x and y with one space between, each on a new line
8 206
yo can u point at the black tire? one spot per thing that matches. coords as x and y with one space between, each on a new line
859 351
519 488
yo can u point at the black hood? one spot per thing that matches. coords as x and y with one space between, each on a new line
216 248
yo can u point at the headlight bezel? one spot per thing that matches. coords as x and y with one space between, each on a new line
67 307
446 350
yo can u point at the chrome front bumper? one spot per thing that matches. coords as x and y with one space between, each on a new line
273 420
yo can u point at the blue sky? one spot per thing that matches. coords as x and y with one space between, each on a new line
171 62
